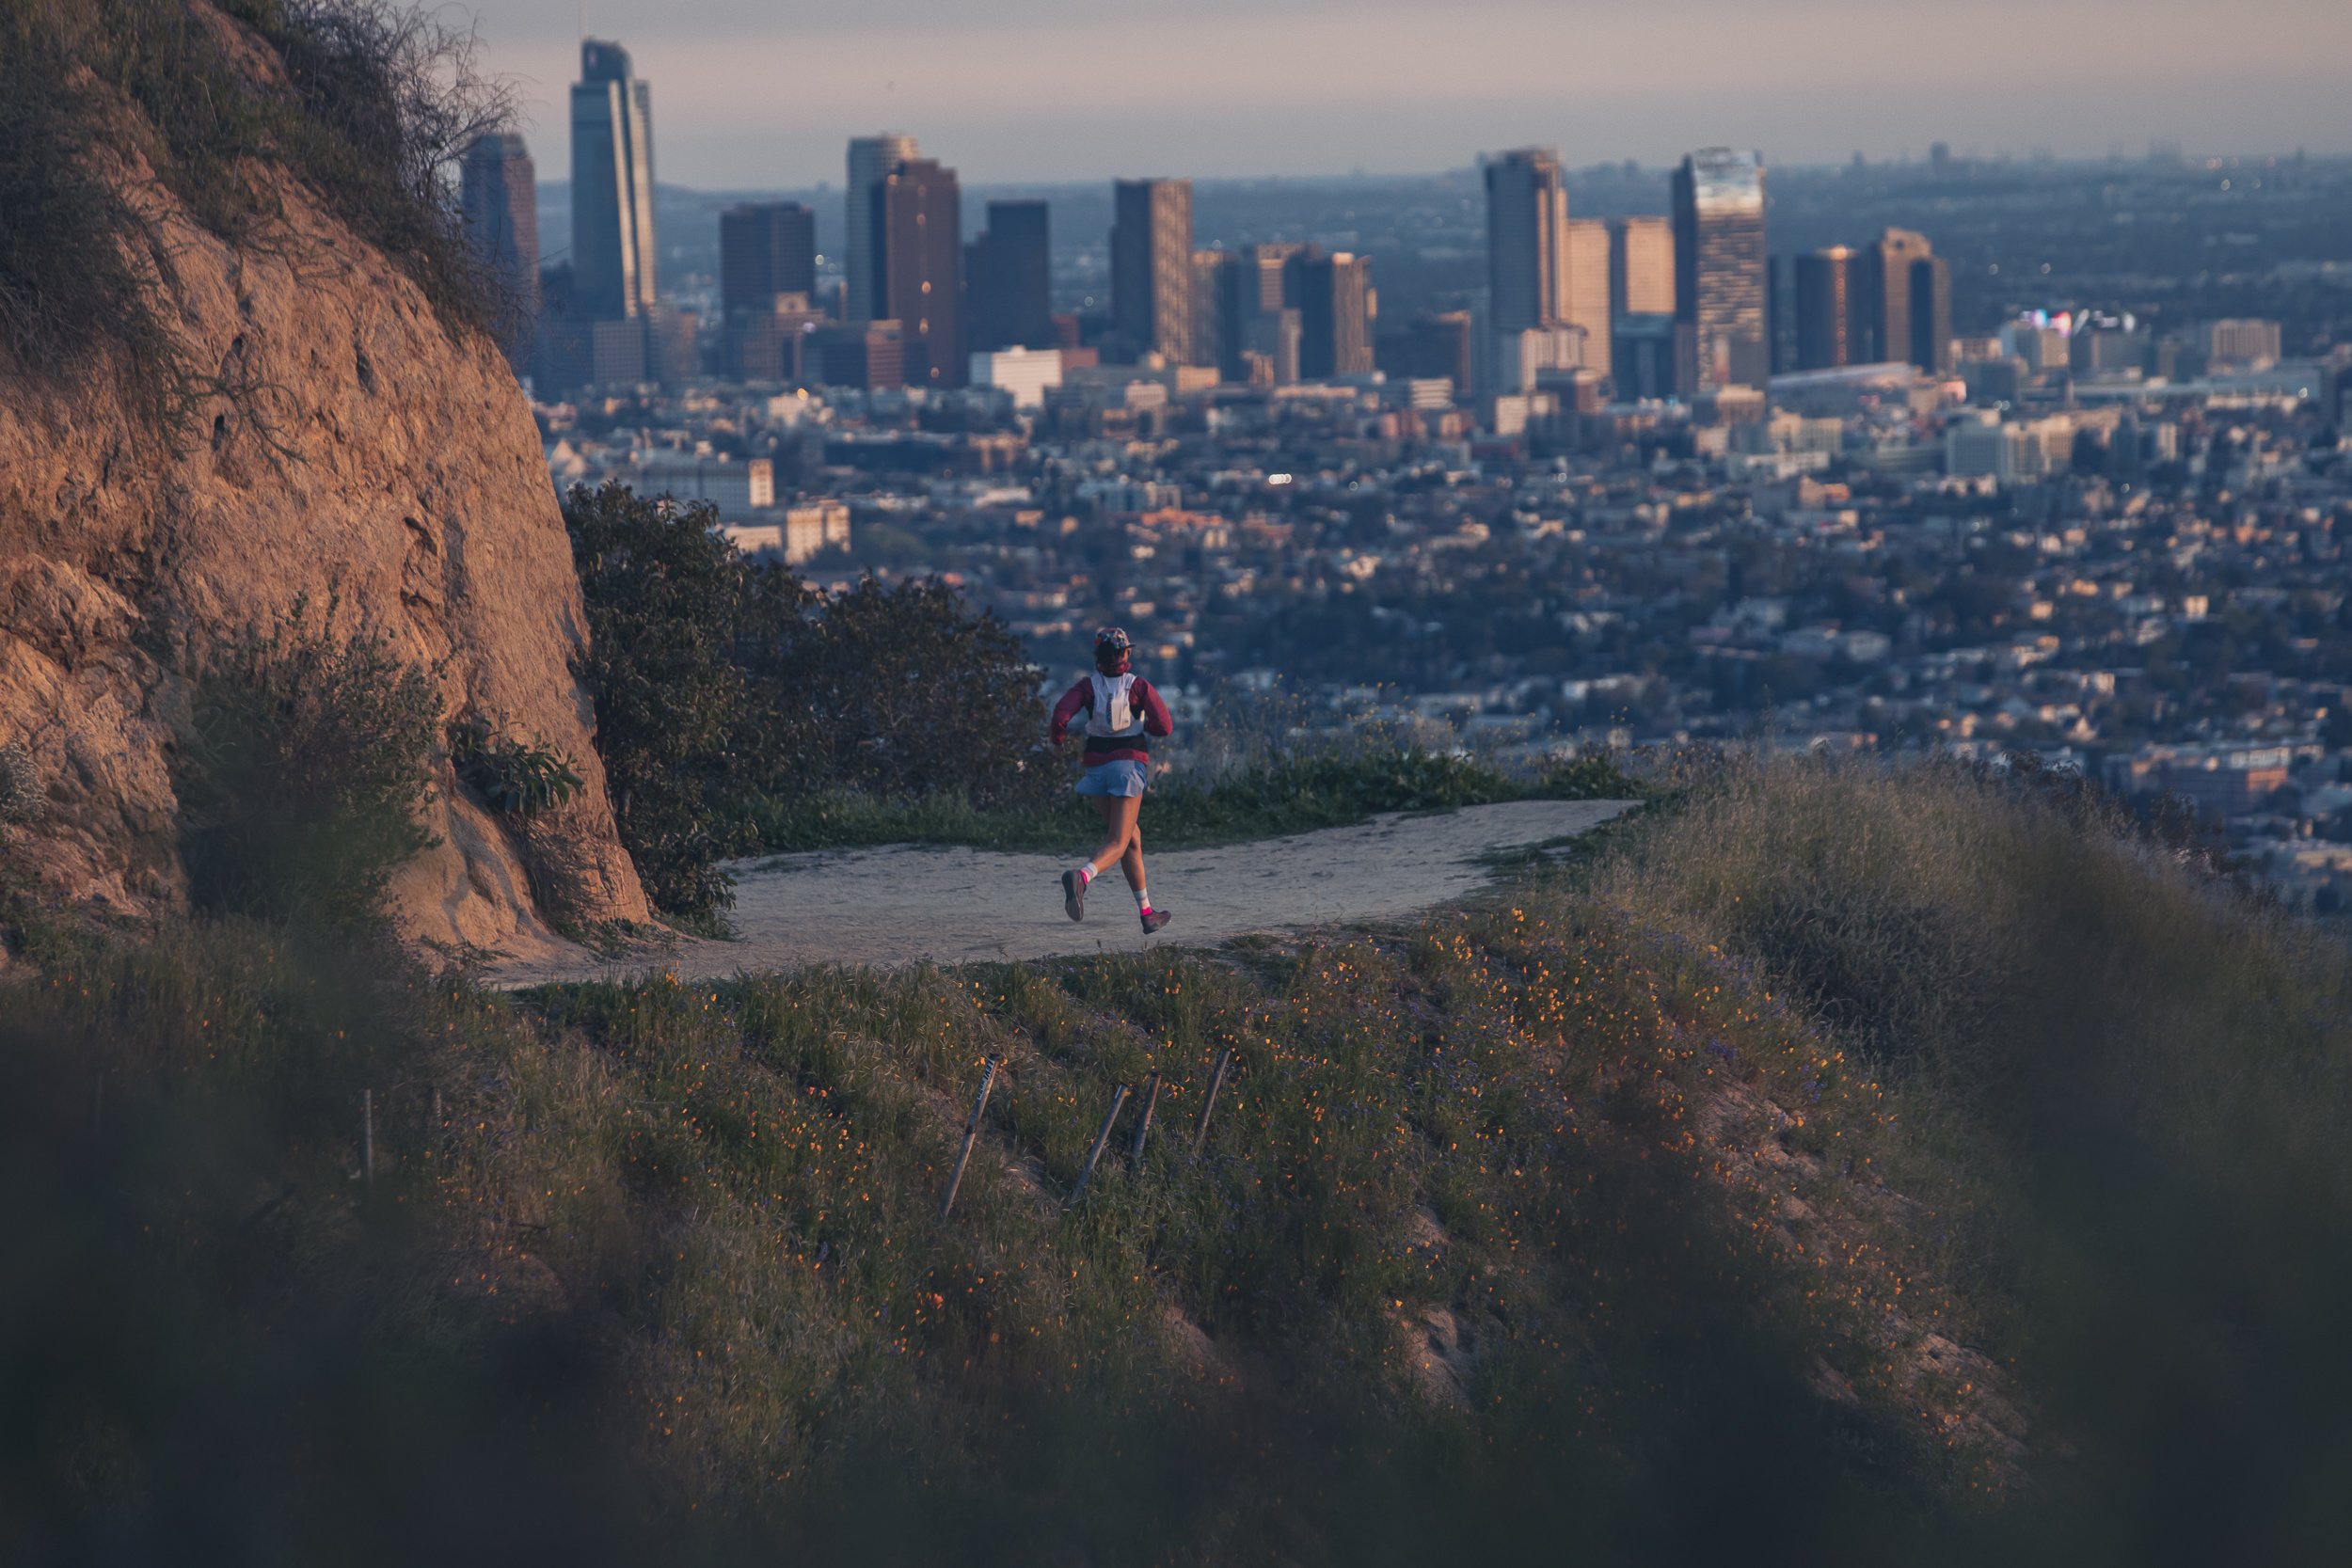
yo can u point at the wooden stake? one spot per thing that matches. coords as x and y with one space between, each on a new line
1208 1105
1143 1123
971 1133
367 1136
1118 1098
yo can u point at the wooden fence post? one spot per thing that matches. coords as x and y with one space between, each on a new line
971 1133
1143 1123
1118 1098
1208 1104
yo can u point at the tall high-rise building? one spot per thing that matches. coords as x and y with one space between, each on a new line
1527 242
919 248
766 249
1213 340
1828 314
612 233
1885 303
1335 303
498 192
871 159
1152 268
1932 314
1641 267
1720 272
1587 270
1009 282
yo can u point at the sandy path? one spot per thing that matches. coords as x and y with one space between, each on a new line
911 902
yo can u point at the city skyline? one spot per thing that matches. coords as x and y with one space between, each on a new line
1410 91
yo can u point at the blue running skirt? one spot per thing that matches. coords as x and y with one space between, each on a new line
1125 777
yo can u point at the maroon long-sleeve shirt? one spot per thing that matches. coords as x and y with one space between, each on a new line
1148 706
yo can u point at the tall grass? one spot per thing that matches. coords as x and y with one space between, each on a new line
1605 1220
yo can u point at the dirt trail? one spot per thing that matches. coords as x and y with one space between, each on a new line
910 902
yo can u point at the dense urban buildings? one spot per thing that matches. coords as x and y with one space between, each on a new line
1152 269
2096 520
614 247
1721 269
499 193
871 159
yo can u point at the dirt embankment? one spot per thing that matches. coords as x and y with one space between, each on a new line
357 449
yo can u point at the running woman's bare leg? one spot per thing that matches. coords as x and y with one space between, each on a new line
1131 862
1118 830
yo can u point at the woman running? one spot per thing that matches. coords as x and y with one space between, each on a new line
1124 713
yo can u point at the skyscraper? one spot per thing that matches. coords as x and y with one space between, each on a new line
1152 268
1587 269
1641 267
1527 242
1885 296
1932 314
1334 300
1008 286
766 249
1828 314
871 159
612 233
498 192
919 248
1212 332
1720 267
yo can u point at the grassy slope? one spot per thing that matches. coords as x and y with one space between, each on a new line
1566 1220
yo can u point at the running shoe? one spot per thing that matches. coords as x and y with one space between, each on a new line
1073 895
1154 919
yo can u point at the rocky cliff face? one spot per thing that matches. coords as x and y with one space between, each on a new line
363 450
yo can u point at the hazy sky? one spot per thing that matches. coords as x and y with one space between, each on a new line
764 92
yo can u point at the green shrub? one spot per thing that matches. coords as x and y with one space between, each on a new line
304 773
666 595
511 777
898 693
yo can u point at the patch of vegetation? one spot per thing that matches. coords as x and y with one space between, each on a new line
307 765
366 103
1582 1217
513 779
1266 798
723 689
20 783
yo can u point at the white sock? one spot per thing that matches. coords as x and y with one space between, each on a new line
1085 874
1143 901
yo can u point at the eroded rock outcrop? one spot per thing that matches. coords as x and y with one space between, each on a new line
360 448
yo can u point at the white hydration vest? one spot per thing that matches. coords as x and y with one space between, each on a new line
1113 715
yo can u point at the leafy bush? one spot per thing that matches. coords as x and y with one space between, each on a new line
511 777
666 597
304 771
725 691
898 692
